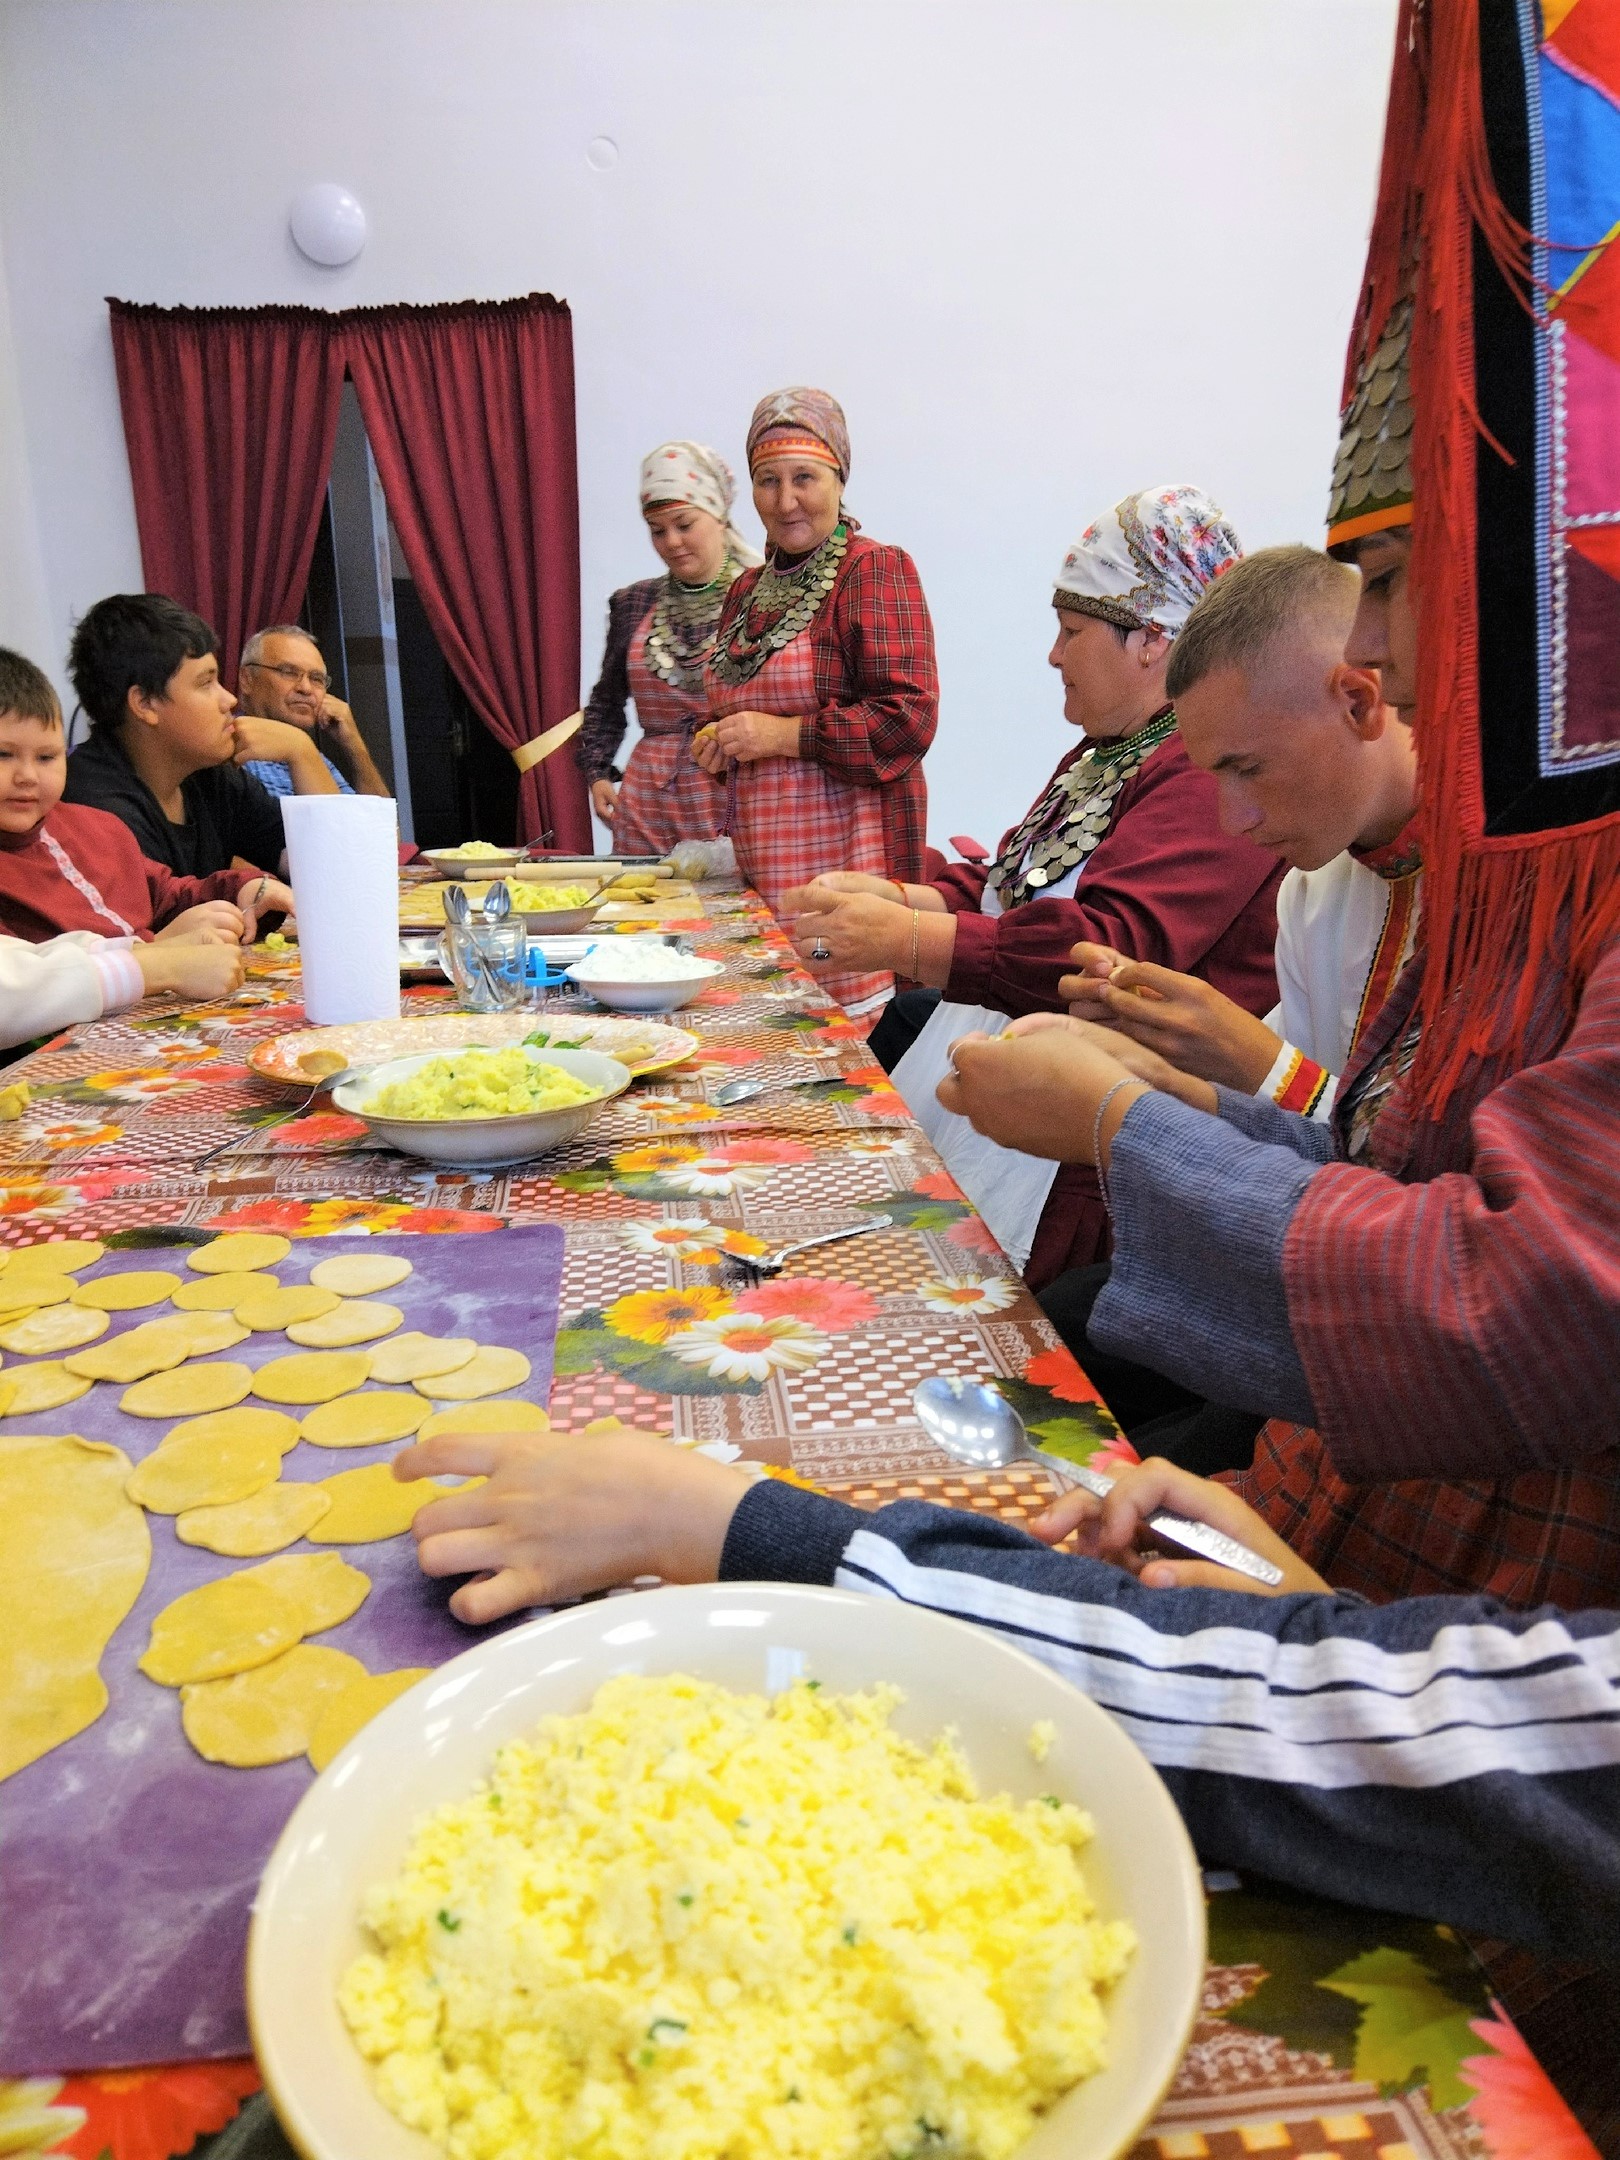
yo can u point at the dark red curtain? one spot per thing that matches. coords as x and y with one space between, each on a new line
230 415
470 412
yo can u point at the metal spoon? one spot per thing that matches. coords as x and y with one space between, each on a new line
498 901
236 1140
772 1263
980 1427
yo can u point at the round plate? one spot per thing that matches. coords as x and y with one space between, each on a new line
641 1046
353 1826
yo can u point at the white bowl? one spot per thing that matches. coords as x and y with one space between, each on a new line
487 1142
451 863
353 1826
643 997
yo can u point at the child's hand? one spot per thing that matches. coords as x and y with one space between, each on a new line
1110 1529
195 971
213 922
561 1514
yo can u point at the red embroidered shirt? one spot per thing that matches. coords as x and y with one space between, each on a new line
81 869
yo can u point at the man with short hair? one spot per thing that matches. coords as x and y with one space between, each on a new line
1320 768
283 679
164 754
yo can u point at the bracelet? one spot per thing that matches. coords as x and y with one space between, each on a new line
259 893
916 925
1096 1141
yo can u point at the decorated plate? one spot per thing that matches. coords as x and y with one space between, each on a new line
644 1046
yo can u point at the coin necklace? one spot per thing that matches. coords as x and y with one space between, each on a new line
1073 815
680 637
782 603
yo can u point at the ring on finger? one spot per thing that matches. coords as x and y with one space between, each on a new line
820 951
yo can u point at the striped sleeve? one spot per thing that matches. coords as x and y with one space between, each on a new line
1296 1082
1440 1756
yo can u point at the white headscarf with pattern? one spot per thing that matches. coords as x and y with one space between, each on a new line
1147 562
690 472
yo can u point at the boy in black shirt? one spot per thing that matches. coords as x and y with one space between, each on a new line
164 751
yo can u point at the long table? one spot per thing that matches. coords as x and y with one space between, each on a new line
1324 2030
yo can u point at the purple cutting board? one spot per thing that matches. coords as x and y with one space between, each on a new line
128 1865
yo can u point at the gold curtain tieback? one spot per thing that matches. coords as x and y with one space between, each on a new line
527 755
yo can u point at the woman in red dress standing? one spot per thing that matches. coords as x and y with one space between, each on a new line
822 685
660 635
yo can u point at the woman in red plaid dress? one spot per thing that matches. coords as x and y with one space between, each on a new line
823 685
660 635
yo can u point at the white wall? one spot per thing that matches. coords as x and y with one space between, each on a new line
1044 250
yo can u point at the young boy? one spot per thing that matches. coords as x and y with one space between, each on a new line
165 752
68 868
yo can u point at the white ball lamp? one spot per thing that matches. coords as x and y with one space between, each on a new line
328 224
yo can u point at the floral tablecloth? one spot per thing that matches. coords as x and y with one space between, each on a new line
1324 2032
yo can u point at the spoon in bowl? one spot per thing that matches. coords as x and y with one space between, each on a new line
980 1427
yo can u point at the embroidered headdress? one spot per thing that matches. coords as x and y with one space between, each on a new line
690 472
1147 561
1501 143
800 422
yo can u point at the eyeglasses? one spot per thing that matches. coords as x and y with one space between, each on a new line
293 676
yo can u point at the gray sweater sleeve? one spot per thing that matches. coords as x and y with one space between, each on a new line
1443 1756
1260 1120
1196 1291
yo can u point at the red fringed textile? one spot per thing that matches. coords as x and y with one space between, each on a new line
1503 886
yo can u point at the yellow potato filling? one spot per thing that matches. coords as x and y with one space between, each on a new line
697 1923
481 1083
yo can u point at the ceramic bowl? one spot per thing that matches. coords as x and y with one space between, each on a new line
488 1142
642 997
353 1826
451 863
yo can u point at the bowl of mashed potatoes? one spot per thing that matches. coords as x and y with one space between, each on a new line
733 1871
482 1108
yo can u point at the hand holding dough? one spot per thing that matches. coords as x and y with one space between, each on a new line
74 1552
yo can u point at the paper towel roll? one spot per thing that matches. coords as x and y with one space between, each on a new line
343 859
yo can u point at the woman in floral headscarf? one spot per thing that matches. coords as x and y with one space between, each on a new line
1123 847
660 634
823 685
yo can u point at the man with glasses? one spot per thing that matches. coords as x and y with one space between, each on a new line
283 680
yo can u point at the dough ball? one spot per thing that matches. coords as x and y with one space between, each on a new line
238 1250
56 1327
30 1388
313 1378
486 1417
265 1522
366 1419
226 1626
355 1320
359 1274
278 1307
184 1393
488 1371
342 1715
218 1293
269 1714
126 1293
